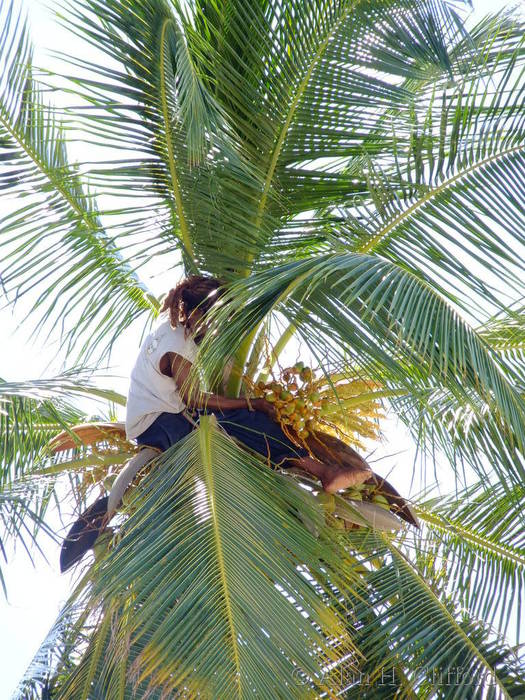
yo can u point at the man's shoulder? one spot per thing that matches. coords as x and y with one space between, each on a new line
165 338
164 329
152 340
176 334
169 338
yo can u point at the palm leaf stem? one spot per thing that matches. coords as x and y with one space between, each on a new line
291 111
205 446
403 563
277 349
240 358
257 348
468 535
89 460
383 234
186 241
242 353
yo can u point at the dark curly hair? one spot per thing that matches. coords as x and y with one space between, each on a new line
195 291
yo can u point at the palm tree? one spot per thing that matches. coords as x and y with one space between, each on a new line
354 171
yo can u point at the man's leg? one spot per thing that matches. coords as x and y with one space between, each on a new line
258 431
332 477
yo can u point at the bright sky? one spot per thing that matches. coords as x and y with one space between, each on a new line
36 594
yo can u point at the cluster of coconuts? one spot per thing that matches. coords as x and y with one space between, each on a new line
361 492
298 404
367 492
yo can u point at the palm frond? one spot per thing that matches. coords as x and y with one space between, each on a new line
153 100
31 414
478 536
54 244
443 653
40 679
206 530
28 420
505 333
341 180
464 435
34 411
25 427
251 102
449 207
318 88
247 603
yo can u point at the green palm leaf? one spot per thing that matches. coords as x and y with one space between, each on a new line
207 529
478 533
385 140
247 602
31 414
40 677
312 104
443 654
505 334
260 96
54 244
464 434
26 425
464 159
156 103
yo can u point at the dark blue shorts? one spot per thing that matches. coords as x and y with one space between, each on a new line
253 428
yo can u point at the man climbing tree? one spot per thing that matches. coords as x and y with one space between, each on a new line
160 393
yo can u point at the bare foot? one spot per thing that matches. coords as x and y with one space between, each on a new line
334 479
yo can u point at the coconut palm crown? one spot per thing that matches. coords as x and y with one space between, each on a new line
353 169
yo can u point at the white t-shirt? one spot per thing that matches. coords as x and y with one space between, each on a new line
151 392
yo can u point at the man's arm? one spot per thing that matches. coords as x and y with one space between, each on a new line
173 365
